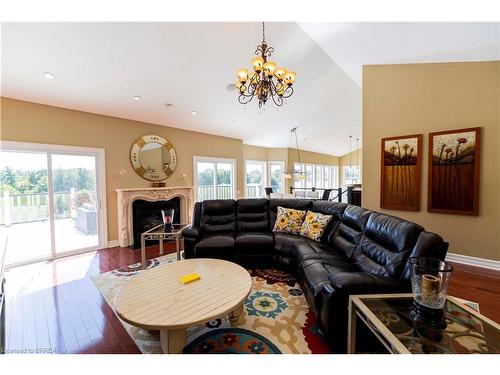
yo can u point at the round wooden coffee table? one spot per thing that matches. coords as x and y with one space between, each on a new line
157 299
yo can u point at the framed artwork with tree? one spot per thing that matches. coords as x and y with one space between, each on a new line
401 167
454 164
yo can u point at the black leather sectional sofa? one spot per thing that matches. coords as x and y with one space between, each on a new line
360 252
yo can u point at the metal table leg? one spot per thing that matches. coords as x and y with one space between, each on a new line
177 247
351 328
143 253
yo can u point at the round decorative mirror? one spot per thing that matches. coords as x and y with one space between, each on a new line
153 157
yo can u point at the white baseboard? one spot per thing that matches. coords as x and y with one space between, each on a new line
113 243
473 261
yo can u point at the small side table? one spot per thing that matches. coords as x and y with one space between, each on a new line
387 317
159 233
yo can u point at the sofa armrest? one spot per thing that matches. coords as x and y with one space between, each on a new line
364 282
191 235
191 232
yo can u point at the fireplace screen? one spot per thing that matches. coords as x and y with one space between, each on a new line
147 215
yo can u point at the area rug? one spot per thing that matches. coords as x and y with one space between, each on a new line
276 318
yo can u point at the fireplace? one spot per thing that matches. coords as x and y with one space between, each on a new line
127 197
146 215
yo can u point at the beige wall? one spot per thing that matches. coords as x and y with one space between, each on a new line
355 157
30 122
254 153
421 98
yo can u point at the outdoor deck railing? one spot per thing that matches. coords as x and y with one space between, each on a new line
26 208
219 192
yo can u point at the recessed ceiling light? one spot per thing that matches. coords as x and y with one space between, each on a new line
194 113
137 98
231 87
49 75
232 122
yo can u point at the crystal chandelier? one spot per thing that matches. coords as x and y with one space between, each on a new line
266 81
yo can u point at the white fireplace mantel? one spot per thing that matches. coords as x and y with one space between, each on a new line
125 198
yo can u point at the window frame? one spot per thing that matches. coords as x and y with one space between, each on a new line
331 170
282 177
215 161
264 175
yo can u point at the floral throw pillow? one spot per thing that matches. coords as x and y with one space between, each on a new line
314 225
289 220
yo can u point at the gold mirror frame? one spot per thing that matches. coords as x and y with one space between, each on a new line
145 171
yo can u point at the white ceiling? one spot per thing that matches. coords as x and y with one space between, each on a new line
99 67
352 45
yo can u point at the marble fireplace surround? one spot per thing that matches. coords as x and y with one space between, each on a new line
125 198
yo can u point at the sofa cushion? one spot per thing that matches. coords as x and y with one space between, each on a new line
350 230
218 216
253 215
335 209
385 245
362 282
289 220
215 246
314 225
298 204
284 242
313 250
254 243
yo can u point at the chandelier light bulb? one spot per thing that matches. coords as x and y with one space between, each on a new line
280 73
242 75
269 68
257 64
290 78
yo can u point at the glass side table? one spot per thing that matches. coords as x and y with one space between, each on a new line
159 233
388 318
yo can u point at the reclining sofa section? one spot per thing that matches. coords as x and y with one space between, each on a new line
360 252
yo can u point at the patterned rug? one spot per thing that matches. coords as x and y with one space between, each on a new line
277 318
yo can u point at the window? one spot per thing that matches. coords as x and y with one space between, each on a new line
275 175
260 174
317 175
255 178
351 175
214 178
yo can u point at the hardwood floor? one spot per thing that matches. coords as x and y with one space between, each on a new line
54 306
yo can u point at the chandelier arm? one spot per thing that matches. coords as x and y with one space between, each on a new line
245 99
278 100
288 92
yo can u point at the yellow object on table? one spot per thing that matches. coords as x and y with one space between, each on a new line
189 278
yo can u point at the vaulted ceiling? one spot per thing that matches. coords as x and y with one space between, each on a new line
100 67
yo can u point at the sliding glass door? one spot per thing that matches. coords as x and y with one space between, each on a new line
75 202
25 205
51 200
